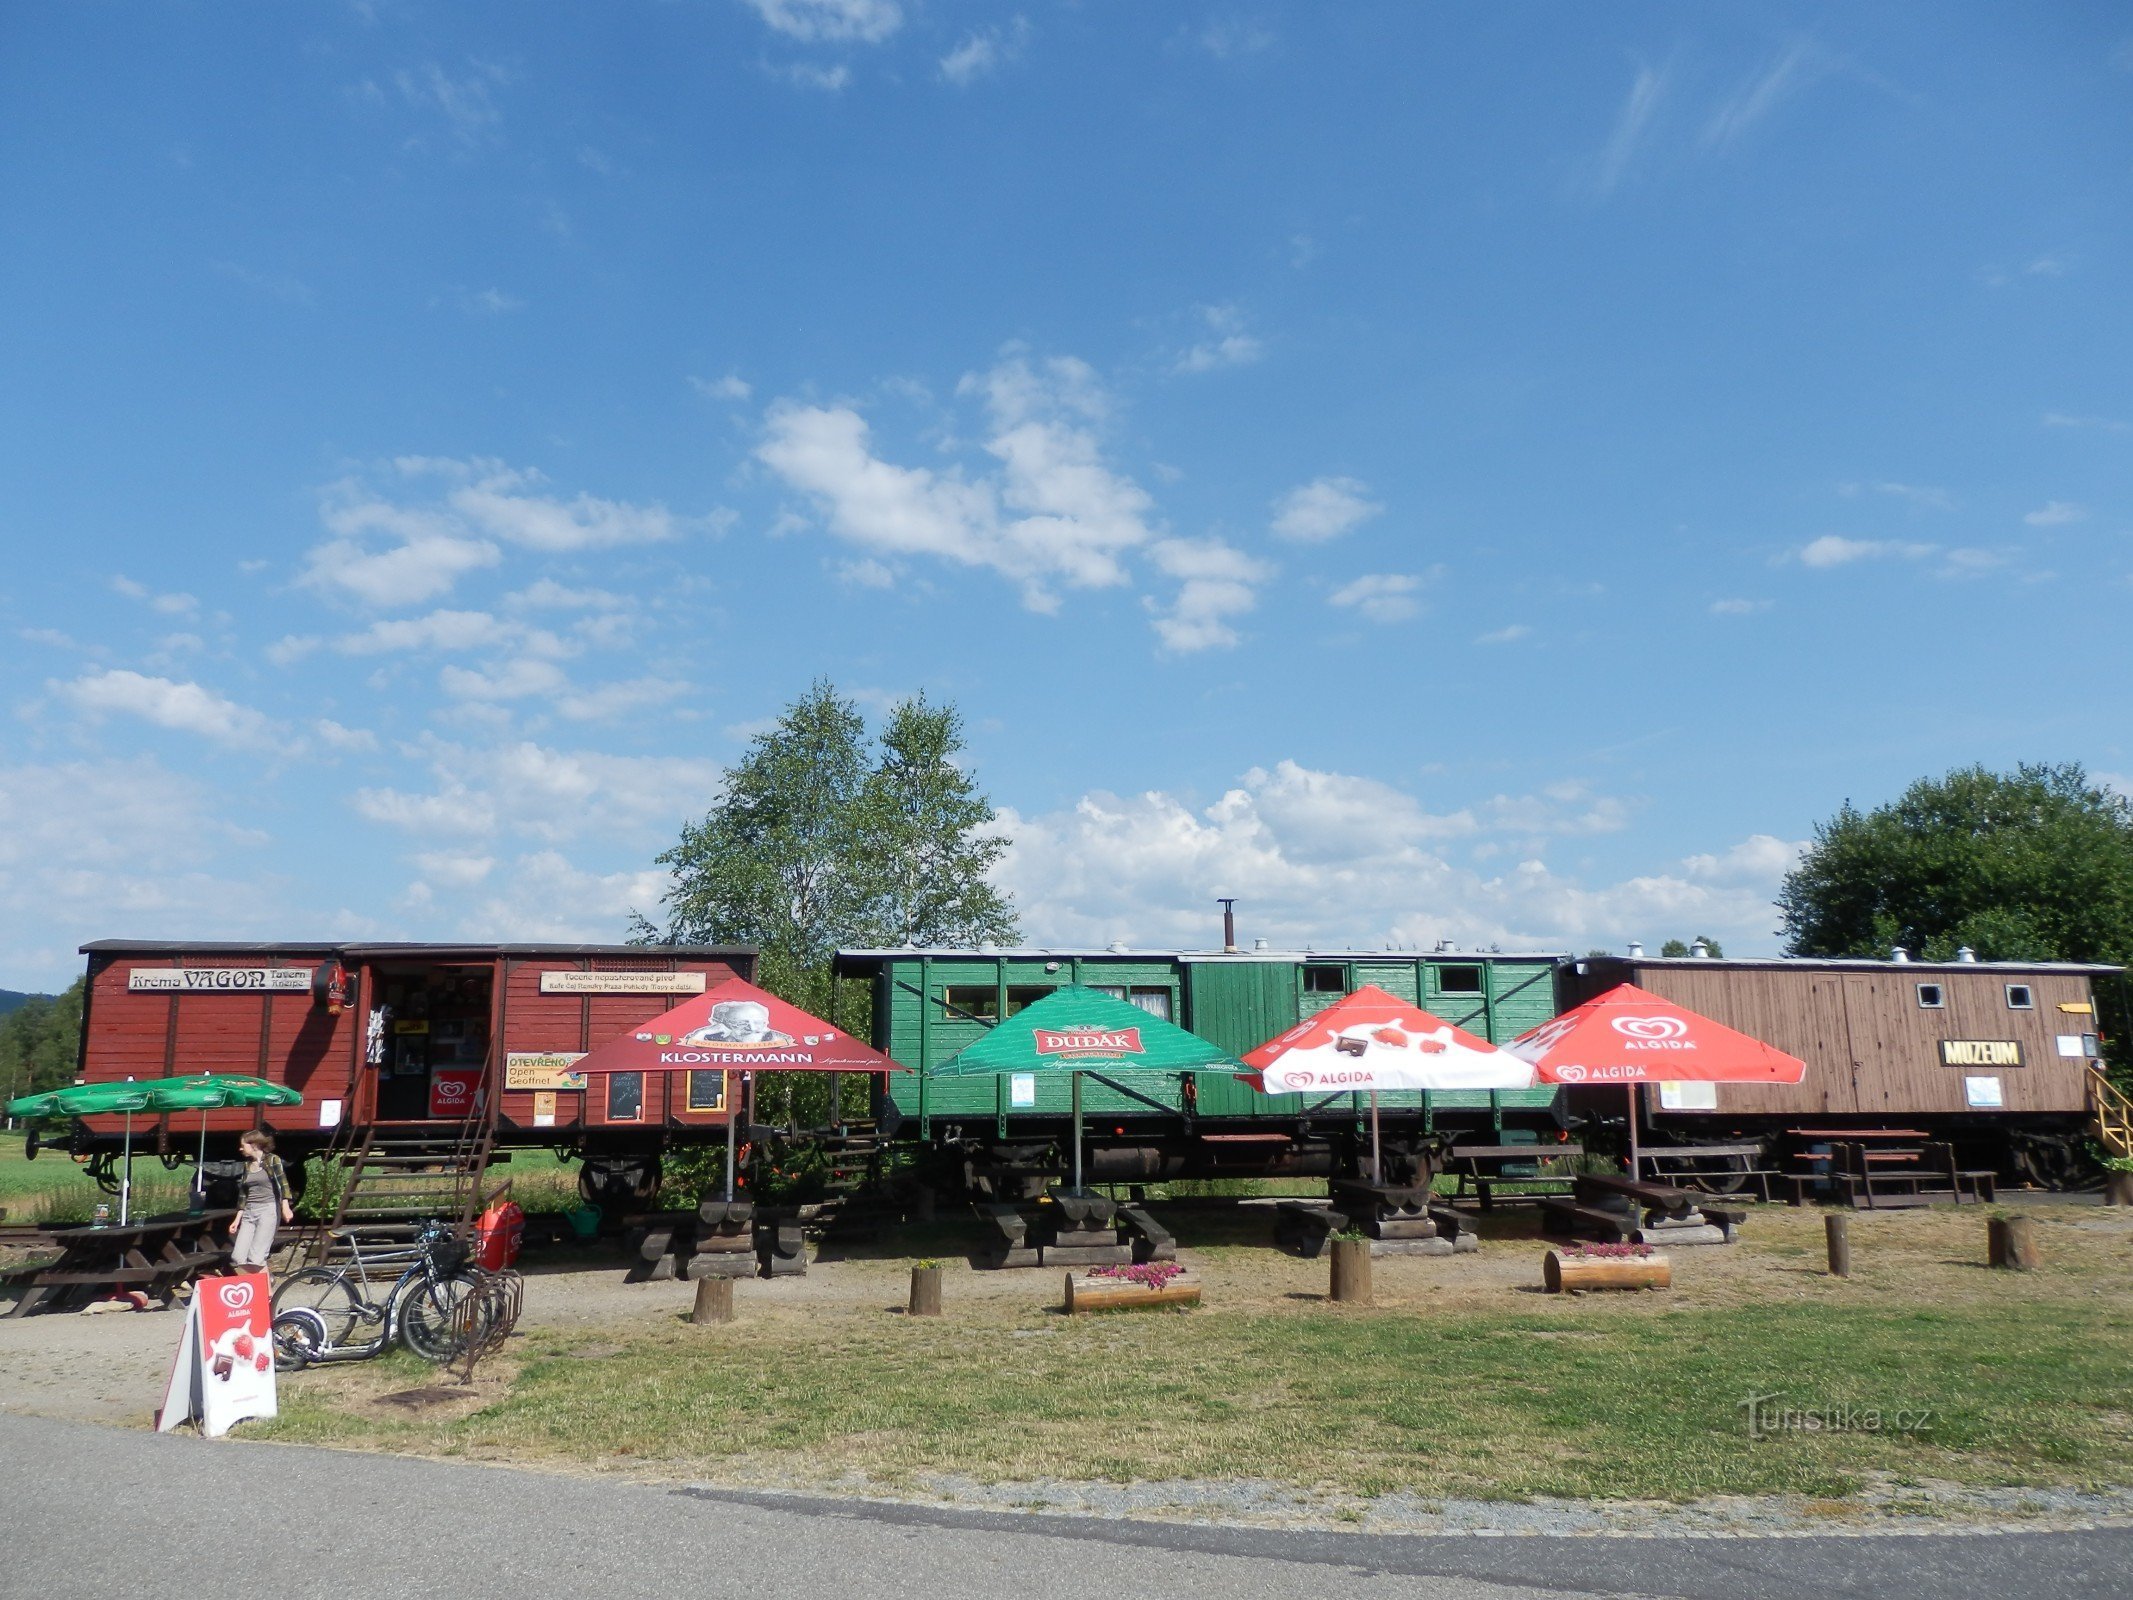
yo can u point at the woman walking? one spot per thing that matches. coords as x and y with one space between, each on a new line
266 1203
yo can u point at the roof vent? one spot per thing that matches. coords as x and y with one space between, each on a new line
1117 947
1636 951
1700 950
1258 945
1899 954
1966 954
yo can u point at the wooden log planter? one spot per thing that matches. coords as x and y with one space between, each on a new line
1137 1288
1605 1266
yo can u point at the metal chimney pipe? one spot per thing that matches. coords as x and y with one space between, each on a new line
1636 951
1899 954
1229 926
1966 954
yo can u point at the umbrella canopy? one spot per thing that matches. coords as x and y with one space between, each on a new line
735 1027
205 1093
1374 1040
1077 1030
1630 1035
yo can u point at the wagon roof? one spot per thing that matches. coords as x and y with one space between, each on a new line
1851 964
385 951
1306 957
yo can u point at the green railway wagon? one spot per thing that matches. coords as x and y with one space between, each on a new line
929 1004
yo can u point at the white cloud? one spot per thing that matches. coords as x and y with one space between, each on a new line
1324 508
93 849
983 51
1228 38
2055 514
467 104
337 736
1381 596
440 630
403 542
1216 584
1227 344
807 75
1834 550
2062 419
545 896
731 387
1795 67
549 795
1738 608
1911 493
178 707
617 699
282 286
169 605
832 21
1331 859
1505 635
1052 513
515 679
866 573
452 868
487 302
1632 122
547 594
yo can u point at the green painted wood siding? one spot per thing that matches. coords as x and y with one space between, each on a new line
1237 1005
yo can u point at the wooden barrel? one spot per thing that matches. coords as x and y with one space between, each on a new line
1566 1271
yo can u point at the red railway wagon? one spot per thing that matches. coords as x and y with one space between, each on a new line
398 1035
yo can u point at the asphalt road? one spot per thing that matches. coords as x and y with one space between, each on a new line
96 1511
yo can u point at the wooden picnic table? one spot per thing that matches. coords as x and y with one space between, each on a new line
1482 1165
1660 1197
152 1254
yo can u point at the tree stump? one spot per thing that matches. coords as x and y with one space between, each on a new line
1838 1226
714 1300
2118 1188
1568 1272
925 1291
2011 1242
1351 1271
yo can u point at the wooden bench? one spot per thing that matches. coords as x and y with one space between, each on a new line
1594 1187
1482 1166
1712 1164
1568 1219
155 1254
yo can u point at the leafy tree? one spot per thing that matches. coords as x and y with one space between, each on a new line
824 837
39 1042
927 819
1674 947
2032 865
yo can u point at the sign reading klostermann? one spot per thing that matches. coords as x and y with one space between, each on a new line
622 983
1980 1053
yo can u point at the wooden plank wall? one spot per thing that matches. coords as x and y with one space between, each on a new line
1870 1048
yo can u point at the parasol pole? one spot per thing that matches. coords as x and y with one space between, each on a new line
126 1178
200 1167
727 1093
1377 1149
1633 1163
1078 1133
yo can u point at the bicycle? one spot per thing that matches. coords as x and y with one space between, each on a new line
327 1314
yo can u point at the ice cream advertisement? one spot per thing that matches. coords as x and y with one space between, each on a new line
1373 1040
224 1371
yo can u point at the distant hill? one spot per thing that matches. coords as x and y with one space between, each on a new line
12 998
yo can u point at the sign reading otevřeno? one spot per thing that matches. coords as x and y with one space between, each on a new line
574 982
543 1069
220 980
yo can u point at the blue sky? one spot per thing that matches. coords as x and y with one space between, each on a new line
1498 474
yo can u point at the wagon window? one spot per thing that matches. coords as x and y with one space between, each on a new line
1931 996
1018 998
2019 998
1156 1002
1459 980
1325 980
1116 991
963 1004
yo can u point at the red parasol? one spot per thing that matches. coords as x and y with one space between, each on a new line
1630 1036
1374 1040
734 1027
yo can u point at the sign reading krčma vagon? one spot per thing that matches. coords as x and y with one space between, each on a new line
219 980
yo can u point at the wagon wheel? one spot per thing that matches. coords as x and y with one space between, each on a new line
1731 1179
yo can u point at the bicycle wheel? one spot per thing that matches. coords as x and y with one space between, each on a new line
434 1316
299 1339
327 1294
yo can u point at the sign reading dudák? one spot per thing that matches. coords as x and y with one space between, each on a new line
1088 1044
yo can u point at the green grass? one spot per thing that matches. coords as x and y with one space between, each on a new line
1626 1396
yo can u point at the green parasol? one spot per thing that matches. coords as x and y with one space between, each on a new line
1077 1030
208 1092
